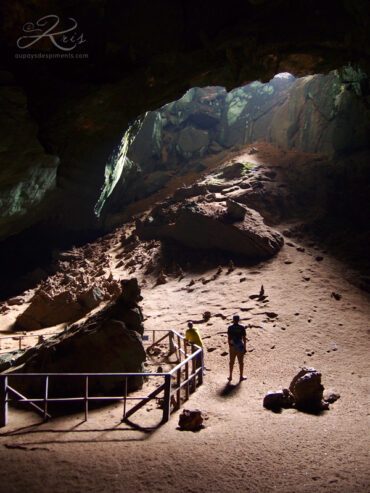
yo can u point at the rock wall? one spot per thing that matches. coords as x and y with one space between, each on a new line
27 172
326 114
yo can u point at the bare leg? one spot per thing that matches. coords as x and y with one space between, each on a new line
241 366
232 361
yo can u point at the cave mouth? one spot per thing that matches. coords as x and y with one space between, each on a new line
171 139
320 114
325 115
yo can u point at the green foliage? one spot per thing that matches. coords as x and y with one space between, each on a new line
247 167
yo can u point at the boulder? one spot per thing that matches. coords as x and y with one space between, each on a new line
192 142
236 211
102 344
191 420
307 390
208 225
46 311
278 399
91 298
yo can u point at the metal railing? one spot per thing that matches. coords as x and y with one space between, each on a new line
179 382
39 338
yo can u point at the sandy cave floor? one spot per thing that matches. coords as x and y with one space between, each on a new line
243 446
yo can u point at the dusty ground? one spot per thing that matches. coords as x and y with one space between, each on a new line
243 447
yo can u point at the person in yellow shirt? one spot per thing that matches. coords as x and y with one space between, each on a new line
192 336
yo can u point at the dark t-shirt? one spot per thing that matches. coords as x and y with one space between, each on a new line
236 332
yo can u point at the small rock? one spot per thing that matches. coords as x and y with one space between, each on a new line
277 400
336 296
319 258
271 314
225 353
301 249
331 397
15 301
191 420
161 279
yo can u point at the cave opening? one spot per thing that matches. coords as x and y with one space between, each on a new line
323 116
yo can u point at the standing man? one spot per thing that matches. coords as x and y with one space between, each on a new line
237 345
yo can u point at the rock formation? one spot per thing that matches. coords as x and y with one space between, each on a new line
27 172
305 393
108 342
205 224
191 420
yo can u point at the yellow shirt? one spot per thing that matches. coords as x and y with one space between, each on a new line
193 336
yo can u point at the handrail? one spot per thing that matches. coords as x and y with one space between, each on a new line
20 337
193 377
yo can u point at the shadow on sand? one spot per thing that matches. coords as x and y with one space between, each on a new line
230 389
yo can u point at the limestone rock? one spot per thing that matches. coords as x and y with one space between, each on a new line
192 142
91 298
278 399
323 114
108 342
307 389
191 420
27 174
205 225
46 311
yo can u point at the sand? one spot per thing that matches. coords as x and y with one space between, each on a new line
243 447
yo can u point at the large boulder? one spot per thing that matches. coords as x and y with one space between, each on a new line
210 225
108 342
307 390
192 142
305 393
46 311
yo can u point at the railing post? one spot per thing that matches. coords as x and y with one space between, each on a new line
20 342
125 400
202 368
167 398
46 397
171 344
193 375
178 392
3 400
187 387
179 347
86 397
